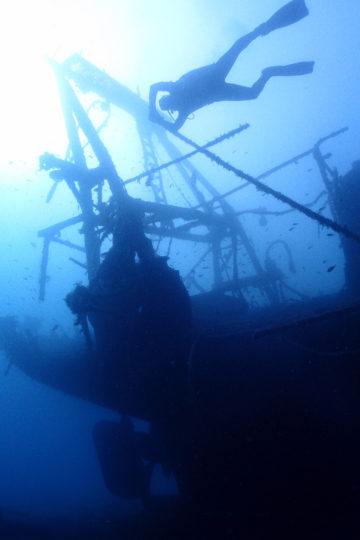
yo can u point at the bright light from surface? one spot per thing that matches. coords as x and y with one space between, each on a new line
27 90
30 31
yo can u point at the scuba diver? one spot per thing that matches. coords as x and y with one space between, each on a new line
206 85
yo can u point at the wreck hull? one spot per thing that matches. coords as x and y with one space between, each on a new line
266 425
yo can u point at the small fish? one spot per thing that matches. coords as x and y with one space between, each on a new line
330 234
55 327
331 268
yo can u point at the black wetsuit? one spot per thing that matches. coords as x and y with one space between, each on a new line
206 85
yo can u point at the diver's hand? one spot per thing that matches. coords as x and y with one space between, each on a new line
155 117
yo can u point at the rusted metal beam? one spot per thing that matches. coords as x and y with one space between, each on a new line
89 78
173 233
57 227
251 281
68 244
160 212
43 268
171 212
71 107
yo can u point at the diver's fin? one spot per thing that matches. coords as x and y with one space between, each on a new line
299 68
289 14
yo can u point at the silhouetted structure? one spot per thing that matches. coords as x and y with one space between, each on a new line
347 204
256 414
141 315
121 452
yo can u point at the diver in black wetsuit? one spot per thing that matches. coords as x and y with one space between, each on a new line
207 84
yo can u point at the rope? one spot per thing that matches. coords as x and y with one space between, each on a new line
326 222
218 140
265 212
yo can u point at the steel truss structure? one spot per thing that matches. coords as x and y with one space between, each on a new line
212 222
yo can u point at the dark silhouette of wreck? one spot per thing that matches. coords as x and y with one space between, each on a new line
256 412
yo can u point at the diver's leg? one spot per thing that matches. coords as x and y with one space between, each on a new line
226 62
291 13
235 92
299 68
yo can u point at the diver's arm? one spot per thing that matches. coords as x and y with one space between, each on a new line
154 116
171 126
179 122
154 90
